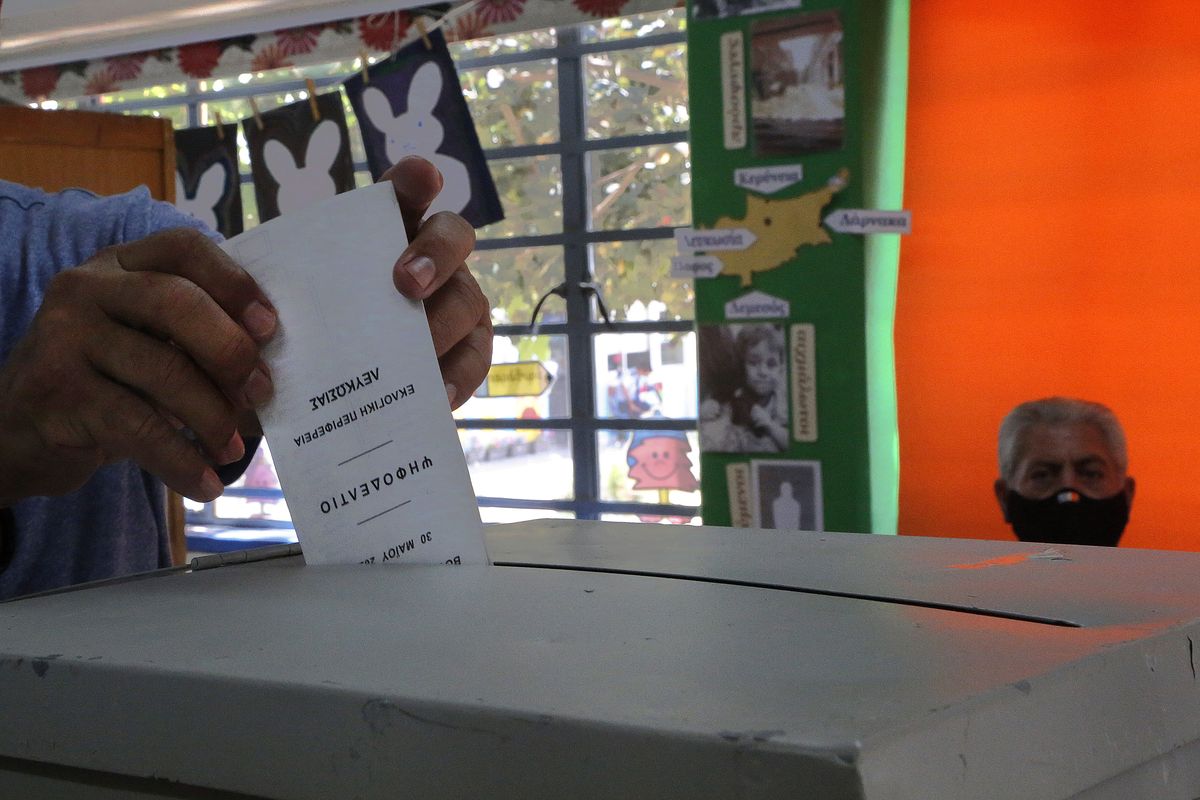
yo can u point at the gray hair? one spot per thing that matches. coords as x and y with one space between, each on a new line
1058 411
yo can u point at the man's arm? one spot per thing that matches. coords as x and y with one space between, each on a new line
127 349
161 334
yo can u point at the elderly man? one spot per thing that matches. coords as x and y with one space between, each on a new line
1062 473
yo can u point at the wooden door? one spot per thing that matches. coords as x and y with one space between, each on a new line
106 154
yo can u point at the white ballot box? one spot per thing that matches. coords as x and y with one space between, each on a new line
604 660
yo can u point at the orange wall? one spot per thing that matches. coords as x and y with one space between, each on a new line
1053 171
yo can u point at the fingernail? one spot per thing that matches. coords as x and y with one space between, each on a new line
451 392
420 267
211 486
233 450
259 321
258 388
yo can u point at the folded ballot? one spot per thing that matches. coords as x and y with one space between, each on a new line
360 429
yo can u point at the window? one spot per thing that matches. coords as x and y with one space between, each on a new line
585 129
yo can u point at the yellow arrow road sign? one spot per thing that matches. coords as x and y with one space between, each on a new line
519 379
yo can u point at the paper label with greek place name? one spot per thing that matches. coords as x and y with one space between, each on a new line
741 494
804 382
768 180
757 305
695 266
865 221
360 429
689 240
733 89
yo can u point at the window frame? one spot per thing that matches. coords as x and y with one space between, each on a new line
581 325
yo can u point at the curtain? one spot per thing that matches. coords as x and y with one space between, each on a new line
1052 166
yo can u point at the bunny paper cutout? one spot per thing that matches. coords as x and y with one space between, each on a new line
417 132
297 159
202 204
412 104
207 184
300 186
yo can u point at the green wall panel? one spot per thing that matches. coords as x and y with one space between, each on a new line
795 60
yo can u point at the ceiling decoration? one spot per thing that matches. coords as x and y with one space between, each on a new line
308 44
39 32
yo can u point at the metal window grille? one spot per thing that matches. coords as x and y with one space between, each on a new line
579 328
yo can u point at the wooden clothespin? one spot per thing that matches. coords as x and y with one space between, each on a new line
312 99
220 126
257 116
365 58
420 20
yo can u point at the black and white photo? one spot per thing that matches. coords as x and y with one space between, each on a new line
788 495
743 388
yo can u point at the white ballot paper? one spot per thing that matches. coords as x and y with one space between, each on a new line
360 429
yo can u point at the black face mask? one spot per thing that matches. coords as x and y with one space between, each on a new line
1068 517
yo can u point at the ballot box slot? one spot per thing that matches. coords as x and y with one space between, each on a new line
271 552
875 598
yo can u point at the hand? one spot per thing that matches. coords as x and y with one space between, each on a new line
762 419
759 416
432 269
128 348
711 409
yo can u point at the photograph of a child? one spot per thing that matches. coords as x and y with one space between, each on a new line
743 388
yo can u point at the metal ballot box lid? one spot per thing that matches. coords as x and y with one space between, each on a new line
609 660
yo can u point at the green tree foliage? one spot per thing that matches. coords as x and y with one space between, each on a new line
628 92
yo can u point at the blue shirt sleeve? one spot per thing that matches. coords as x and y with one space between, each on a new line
146 216
42 234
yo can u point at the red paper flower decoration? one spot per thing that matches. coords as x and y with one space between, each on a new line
384 31
270 57
102 81
490 11
39 82
126 68
469 26
601 8
298 41
199 60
